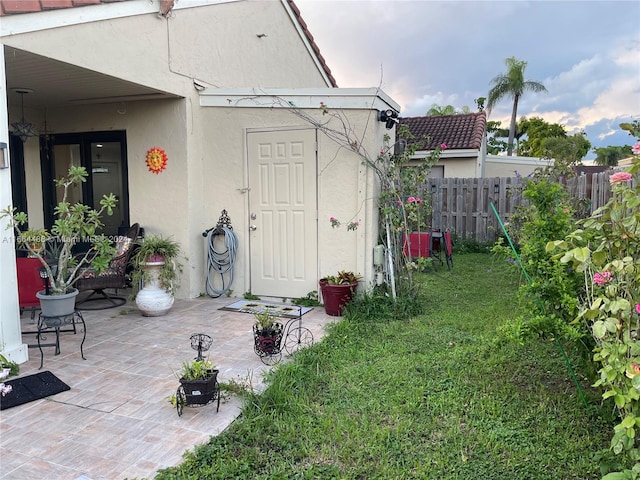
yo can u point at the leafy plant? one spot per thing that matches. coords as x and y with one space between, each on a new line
34 237
74 223
343 278
13 367
158 248
265 321
309 300
550 294
196 370
250 296
606 252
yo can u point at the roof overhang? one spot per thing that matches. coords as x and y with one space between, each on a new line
449 153
343 98
33 22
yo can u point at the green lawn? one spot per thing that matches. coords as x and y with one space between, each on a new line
440 396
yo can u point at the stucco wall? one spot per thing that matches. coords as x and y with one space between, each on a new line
217 44
346 190
499 166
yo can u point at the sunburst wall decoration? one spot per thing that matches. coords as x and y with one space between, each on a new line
156 160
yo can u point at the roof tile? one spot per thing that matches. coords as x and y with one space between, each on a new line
463 131
20 6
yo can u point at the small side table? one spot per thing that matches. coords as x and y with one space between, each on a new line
55 325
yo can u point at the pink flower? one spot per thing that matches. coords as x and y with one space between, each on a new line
636 148
411 199
638 308
602 278
620 177
419 201
443 146
399 203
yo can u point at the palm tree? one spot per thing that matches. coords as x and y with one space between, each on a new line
437 110
512 84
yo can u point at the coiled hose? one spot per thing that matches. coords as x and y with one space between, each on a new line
220 262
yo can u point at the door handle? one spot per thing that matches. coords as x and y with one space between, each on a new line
253 228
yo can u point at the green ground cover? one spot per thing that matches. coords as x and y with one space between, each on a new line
439 396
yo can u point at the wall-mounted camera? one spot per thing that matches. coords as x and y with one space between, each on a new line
390 117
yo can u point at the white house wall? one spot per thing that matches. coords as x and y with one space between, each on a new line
500 166
218 45
346 190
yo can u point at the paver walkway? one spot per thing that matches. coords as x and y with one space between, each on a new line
116 422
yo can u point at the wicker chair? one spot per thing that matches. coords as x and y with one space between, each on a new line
114 277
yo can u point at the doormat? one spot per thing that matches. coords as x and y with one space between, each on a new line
275 309
30 388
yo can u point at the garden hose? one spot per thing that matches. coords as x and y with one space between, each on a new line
560 346
220 262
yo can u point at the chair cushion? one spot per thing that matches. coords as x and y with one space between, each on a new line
119 263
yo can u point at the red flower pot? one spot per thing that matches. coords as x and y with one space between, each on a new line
336 296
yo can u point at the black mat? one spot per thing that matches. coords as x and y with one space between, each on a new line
30 388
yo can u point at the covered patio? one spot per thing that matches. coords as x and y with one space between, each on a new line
117 421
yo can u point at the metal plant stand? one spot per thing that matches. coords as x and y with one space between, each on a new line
198 393
202 343
269 349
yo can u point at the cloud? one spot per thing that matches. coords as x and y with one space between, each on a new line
587 54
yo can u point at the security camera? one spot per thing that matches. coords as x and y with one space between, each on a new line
390 117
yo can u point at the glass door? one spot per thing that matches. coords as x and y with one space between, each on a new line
103 154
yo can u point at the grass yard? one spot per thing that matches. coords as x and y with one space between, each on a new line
440 396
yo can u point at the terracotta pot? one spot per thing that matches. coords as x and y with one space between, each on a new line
335 297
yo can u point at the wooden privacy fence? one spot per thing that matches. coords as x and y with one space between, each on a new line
463 205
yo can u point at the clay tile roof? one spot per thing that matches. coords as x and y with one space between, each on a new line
12 7
464 131
314 46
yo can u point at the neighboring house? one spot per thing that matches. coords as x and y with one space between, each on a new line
463 135
465 155
233 91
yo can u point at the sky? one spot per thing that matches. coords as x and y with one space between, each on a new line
425 52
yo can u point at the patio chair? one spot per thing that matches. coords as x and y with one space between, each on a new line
114 277
29 283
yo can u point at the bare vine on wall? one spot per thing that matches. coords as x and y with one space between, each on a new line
399 202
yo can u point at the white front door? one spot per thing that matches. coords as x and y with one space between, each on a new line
282 208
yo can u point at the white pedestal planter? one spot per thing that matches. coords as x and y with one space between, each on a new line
153 300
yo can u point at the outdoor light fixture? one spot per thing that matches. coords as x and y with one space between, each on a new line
23 129
390 118
4 155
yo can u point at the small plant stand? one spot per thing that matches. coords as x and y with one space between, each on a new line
269 349
198 393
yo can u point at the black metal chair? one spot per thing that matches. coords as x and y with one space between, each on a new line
114 277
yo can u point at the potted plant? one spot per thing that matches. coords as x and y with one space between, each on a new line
33 240
156 265
198 384
338 290
267 334
73 223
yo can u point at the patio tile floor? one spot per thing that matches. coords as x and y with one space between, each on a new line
116 422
